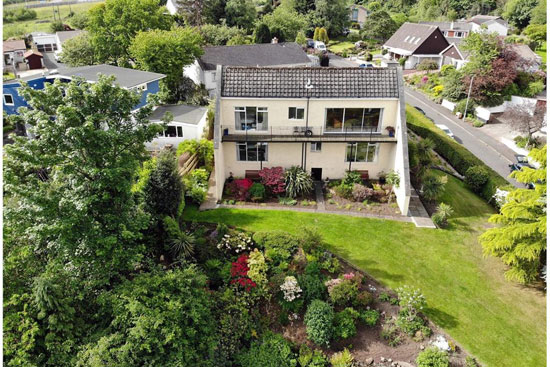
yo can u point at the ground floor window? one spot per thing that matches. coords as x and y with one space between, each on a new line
8 99
252 152
172 131
316 146
361 152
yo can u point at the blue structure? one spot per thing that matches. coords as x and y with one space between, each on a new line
144 81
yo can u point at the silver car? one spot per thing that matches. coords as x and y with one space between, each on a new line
446 130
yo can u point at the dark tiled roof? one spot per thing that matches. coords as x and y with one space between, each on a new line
326 82
182 113
264 54
410 36
124 77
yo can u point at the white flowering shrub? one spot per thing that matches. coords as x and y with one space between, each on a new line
291 289
237 242
411 300
500 197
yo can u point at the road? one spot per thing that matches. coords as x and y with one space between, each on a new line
492 152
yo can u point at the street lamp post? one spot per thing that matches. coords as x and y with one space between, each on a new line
468 99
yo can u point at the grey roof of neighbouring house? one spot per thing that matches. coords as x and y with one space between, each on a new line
124 77
182 113
326 82
410 31
451 26
66 35
525 52
264 54
480 19
15 45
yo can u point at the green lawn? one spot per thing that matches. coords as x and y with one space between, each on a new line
44 18
501 323
542 52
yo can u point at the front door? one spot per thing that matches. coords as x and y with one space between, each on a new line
317 174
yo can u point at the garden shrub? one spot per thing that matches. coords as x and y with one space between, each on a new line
342 359
351 178
361 193
257 192
257 268
344 292
363 299
370 317
344 191
196 184
272 351
318 320
402 61
273 179
240 188
235 243
432 357
239 274
471 362
441 216
298 182
353 37
309 358
312 286
427 64
390 332
458 156
476 177
344 323
310 239
276 239
204 148
461 106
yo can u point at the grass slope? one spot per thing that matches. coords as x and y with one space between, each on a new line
501 323
44 18
542 52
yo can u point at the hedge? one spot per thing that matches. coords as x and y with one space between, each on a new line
459 157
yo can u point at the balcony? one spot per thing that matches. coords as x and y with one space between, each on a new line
303 134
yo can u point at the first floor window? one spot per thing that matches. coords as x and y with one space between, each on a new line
353 119
316 146
361 152
251 118
8 99
172 131
252 152
295 113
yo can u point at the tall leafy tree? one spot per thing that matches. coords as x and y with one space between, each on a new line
240 13
520 237
191 10
333 15
284 23
167 52
79 51
518 12
538 14
214 11
262 33
379 26
114 24
70 187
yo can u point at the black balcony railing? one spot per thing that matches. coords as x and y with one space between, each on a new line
229 132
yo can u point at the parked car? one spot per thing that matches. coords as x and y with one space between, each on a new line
310 44
320 46
57 56
446 130
420 110
521 161
345 31
366 65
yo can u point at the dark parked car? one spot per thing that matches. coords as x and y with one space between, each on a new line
345 31
521 161
310 43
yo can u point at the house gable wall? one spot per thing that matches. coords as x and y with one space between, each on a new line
433 45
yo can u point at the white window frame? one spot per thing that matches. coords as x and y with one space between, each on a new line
241 109
375 145
140 87
12 100
459 34
316 146
237 145
354 14
343 130
178 128
296 113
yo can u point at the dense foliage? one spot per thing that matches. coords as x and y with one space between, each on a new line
318 319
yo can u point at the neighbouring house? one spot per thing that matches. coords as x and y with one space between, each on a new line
453 31
44 42
452 55
13 53
491 23
143 82
415 43
61 37
358 14
530 61
203 70
326 120
34 59
188 123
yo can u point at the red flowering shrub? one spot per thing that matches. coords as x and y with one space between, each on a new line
239 273
274 179
239 188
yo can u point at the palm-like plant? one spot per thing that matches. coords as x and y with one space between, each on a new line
183 245
297 182
425 156
393 179
433 186
445 210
